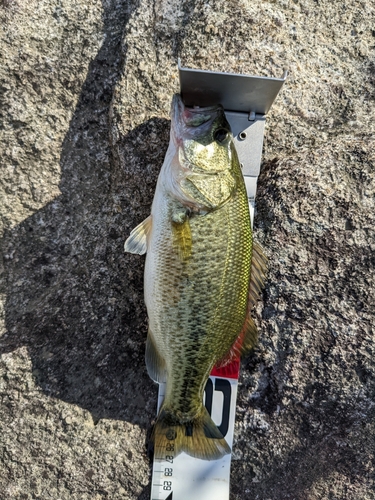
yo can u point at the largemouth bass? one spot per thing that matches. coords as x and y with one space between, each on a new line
203 274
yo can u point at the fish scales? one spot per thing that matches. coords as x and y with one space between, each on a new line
198 284
198 305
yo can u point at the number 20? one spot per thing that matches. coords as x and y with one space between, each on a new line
221 385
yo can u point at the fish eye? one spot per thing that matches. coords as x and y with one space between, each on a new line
221 134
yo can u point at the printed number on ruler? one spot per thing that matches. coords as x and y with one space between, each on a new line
221 385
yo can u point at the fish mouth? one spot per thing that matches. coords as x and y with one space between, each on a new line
186 119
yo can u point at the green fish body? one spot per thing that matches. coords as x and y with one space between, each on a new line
198 286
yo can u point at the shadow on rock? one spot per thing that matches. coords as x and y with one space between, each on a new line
73 297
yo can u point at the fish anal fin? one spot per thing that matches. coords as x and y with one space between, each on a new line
243 344
155 363
137 241
199 438
181 239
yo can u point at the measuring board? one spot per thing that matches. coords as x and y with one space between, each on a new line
246 99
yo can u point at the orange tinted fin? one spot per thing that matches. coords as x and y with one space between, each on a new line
199 438
248 337
243 344
137 241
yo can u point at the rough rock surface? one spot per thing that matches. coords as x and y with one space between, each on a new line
86 90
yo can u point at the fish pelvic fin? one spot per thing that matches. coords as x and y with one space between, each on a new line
137 241
199 438
154 361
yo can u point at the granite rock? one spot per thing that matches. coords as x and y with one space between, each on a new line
86 90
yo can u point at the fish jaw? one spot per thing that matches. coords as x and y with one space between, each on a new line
198 167
191 123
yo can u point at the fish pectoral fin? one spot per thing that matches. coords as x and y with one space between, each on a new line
199 438
258 274
137 241
154 361
181 239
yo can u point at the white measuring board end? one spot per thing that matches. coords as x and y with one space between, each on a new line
188 478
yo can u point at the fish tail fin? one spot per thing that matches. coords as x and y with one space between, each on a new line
199 438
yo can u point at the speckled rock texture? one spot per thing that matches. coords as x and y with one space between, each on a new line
85 95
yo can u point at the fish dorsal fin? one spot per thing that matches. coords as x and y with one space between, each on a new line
154 361
258 274
137 241
248 337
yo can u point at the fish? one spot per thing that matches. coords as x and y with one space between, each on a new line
203 275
